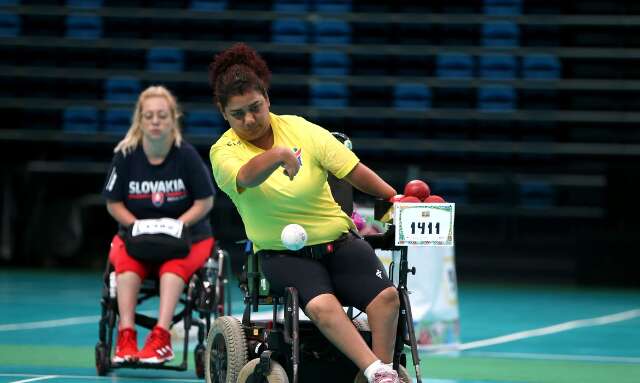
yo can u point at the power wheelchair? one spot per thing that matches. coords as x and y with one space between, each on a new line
288 349
203 298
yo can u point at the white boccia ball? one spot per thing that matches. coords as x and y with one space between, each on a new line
293 237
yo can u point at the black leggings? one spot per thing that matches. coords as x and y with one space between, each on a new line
353 273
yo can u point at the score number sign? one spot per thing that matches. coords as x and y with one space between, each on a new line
424 224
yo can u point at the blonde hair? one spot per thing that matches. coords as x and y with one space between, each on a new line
134 135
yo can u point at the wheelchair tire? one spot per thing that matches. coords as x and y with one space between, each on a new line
102 359
403 374
198 359
276 375
226 351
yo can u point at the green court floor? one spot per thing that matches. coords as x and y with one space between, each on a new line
510 334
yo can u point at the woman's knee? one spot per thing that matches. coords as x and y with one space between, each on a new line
387 298
322 308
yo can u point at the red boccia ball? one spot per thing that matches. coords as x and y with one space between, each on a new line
417 188
396 198
409 198
434 199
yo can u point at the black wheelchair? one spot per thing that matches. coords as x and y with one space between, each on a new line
203 298
285 348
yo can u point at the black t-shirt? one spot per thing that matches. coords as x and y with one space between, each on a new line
165 190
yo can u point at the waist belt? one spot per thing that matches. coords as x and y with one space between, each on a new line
315 252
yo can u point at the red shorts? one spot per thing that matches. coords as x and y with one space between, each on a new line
183 267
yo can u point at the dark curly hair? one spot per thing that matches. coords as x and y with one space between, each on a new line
236 70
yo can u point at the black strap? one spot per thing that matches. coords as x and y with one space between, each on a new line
316 252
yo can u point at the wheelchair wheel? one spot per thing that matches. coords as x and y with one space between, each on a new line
276 375
403 374
102 359
226 350
198 358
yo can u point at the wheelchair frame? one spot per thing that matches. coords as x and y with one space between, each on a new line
287 346
206 298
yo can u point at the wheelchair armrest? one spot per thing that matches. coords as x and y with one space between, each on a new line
383 241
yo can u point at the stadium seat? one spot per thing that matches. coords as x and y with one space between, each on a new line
289 31
500 34
498 66
330 63
208 5
541 66
117 121
331 32
451 189
121 89
334 6
291 5
329 95
414 96
496 98
9 24
165 59
84 3
80 119
204 122
454 65
84 27
536 194
502 7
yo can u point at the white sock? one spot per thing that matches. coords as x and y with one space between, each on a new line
389 364
373 367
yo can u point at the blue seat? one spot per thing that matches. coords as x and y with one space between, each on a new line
335 6
411 96
454 65
451 189
291 5
500 34
329 95
9 2
332 31
289 31
10 24
121 89
117 121
502 7
208 5
165 59
536 194
498 66
91 4
80 119
541 66
496 98
84 27
330 63
204 122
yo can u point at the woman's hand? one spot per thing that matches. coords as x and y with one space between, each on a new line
289 163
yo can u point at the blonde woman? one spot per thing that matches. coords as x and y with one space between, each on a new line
156 174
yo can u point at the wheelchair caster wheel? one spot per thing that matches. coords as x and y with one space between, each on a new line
198 358
276 375
102 359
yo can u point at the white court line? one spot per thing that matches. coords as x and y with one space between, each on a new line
580 358
566 326
94 377
35 379
49 323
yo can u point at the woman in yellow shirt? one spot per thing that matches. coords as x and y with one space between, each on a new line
247 164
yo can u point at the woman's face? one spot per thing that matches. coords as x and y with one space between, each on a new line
157 120
248 115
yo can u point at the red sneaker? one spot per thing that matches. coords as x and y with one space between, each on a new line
157 348
127 346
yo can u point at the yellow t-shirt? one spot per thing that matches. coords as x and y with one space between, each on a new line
278 201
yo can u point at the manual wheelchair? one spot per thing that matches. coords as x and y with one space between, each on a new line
286 348
203 298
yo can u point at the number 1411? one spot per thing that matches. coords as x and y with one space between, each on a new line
423 226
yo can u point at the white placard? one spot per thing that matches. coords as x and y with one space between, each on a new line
424 224
169 226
